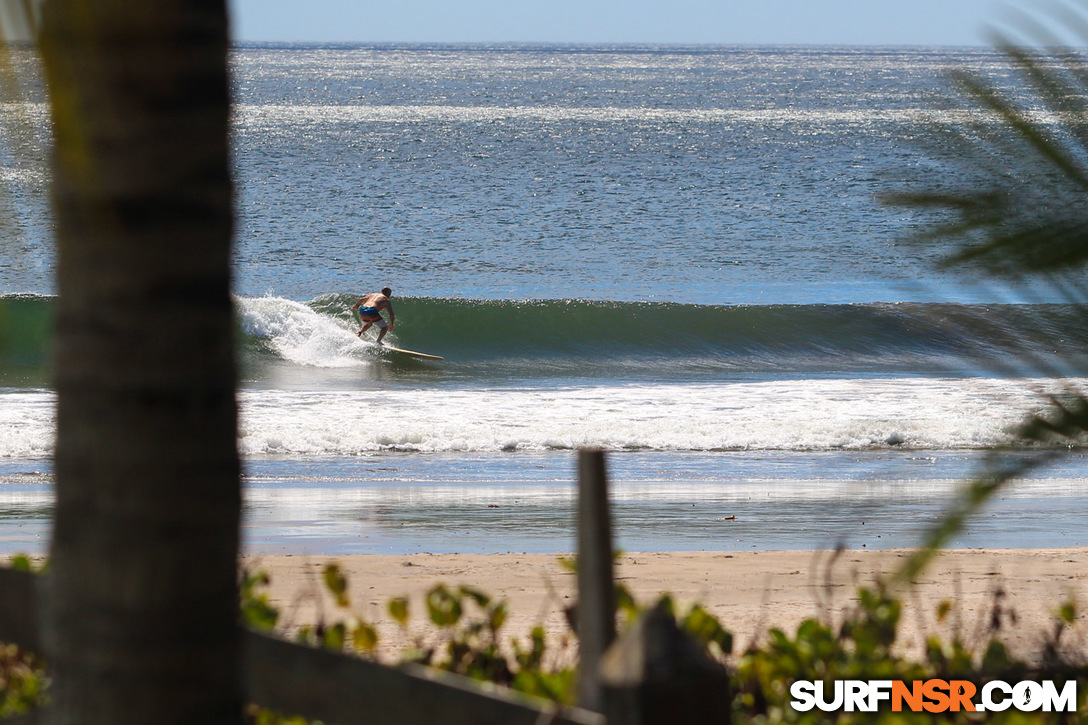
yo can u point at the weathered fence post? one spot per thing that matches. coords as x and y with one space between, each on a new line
657 674
596 612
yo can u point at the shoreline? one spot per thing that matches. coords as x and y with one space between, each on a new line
660 501
749 592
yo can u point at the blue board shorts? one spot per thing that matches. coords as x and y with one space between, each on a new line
370 314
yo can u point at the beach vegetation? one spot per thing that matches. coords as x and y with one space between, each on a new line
462 631
23 681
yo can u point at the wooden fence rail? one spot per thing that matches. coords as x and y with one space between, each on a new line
335 688
347 690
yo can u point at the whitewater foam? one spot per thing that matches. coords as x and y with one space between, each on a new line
27 424
854 414
300 335
809 415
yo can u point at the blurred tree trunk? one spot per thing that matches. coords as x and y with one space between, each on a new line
140 607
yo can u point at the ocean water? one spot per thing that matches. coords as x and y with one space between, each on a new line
673 253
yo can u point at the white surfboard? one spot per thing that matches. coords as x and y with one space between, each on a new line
411 353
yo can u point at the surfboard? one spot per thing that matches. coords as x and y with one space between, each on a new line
411 353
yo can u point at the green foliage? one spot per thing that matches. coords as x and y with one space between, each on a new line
1067 612
23 563
444 607
256 610
22 681
862 647
350 632
469 623
1021 215
337 585
863 643
533 677
707 630
398 610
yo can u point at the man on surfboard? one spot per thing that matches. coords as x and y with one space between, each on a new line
369 308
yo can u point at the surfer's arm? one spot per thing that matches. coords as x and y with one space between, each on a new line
391 315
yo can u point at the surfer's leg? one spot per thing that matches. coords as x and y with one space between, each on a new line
365 327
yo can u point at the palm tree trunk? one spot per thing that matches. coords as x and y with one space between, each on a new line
140 606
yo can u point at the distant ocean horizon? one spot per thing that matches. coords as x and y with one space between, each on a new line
675 253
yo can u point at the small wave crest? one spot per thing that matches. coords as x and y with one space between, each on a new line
300 334
527 339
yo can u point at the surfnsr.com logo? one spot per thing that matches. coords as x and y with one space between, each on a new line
933 696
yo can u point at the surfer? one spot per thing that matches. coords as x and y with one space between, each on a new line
369 308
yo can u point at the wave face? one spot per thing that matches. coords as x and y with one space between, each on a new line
556 375
25 340
665 341
288 343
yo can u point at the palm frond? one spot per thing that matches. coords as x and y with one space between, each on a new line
1025 126
1064 423
1022 206
1018 210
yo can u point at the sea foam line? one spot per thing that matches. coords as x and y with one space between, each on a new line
259 115
804 415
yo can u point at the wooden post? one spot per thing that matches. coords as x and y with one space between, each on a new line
657 674
19 602
596 613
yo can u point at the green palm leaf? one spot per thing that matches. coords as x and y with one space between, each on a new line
1021 215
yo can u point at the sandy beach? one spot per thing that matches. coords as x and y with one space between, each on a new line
749 591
